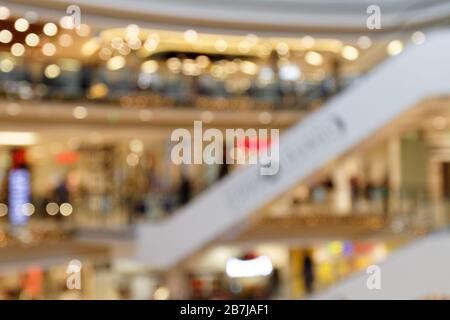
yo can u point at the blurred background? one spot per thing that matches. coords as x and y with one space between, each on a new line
89 98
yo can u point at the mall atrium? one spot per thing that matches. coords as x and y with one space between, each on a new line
93 92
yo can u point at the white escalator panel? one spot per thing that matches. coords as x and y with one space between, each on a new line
393 87
418 271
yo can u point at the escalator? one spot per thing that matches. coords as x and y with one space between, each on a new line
357 113
417 271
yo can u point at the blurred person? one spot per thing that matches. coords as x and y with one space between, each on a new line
185 189
61 192
224 166
308 272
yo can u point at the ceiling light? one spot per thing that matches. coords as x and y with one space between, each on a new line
115 63
17 49
21 25
221 45
394 47
50 29
79 112
67 22
282 48
418 37
314 58
83 30
5 36
65 40
17 138
364 42
350 53
32 40
149 66
308 42
191 36
6 65
49 49
4 13
52 71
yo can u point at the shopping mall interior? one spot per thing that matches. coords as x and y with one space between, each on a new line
93 205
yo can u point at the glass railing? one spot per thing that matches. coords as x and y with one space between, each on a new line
132 88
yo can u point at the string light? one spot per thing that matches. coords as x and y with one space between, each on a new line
5 36
32 40
50 29
21 25
49 49
17 49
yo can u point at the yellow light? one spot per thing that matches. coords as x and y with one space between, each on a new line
90 47
162 293
6 65
49 49
151 44
105 53
308 42
132 159
221 45
117 43
5 36
65 40
174 64
52 71
66 22
249 67
125 50
244 47
10 138
134 43
251 39
21 25
149 66
191 36
115 63
136 146
4 13
17 49
314 58
282 48
350 53
336 248
154 36
190 68
202 61
83 30
364 42
132 30
50 29
98 91
394 47
32 40
79 112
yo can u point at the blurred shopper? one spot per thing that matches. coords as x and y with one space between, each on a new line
224 167
184 190
308 272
